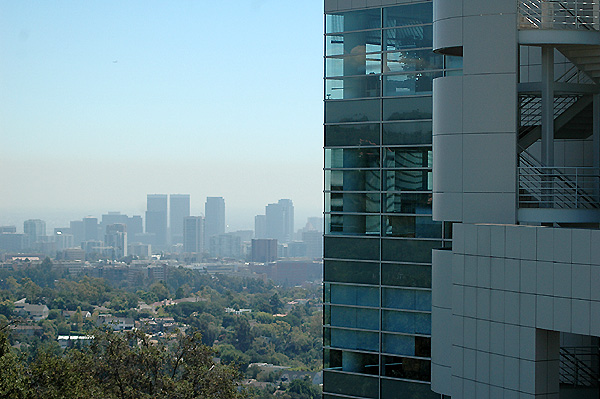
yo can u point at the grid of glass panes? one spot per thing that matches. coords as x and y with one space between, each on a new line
379 231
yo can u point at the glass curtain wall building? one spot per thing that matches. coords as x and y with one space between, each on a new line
379 68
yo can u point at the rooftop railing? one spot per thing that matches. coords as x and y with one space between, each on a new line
559 14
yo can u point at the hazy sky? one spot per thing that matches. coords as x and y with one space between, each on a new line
103 101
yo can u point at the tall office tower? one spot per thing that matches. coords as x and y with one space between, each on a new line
76 227
516 145
116 237
135 225
379 231
179 207
280 220
34 229
260 226
90 228
156 219
112 218
193 234
214 218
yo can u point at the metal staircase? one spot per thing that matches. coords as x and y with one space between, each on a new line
579 366
585 57
556 187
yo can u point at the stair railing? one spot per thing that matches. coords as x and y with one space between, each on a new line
558 14
579 366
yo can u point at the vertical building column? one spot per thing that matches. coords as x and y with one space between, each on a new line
548 105
596 143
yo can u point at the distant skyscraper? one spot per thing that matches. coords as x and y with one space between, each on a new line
34 229
76 227
193 234
156 218
90 228
260 226
116 237
179 209
8 229
214 214
280 220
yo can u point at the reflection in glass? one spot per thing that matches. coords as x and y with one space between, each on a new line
355 87
407 61
406 322
367 179
410 203
357 203
410 14
353 20
412 226
405 157
407 133
409 84
352 158
350 385
365 134
353 43
354 225
406 368
352 362
352 111
408 38
358 64
408 180
399 344
413 108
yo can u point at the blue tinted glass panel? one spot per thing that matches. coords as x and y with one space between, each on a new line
350 272
407 299
359 340
351 248
416 60
365 319
408 203
408 250
365 134
412 226
406 275
360 64
409 83
357 203
353 43
353 20
399 344
350 384
359 158
410 390
406 368
408 38
353 225
408 180
352 111
395 109
340 180
410 14
354 295
403 157
407 133
350 88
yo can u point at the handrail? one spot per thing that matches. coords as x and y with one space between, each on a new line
559 14
576 366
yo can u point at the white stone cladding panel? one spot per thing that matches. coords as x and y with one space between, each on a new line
507 342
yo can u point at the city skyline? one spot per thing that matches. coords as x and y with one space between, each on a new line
103 102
